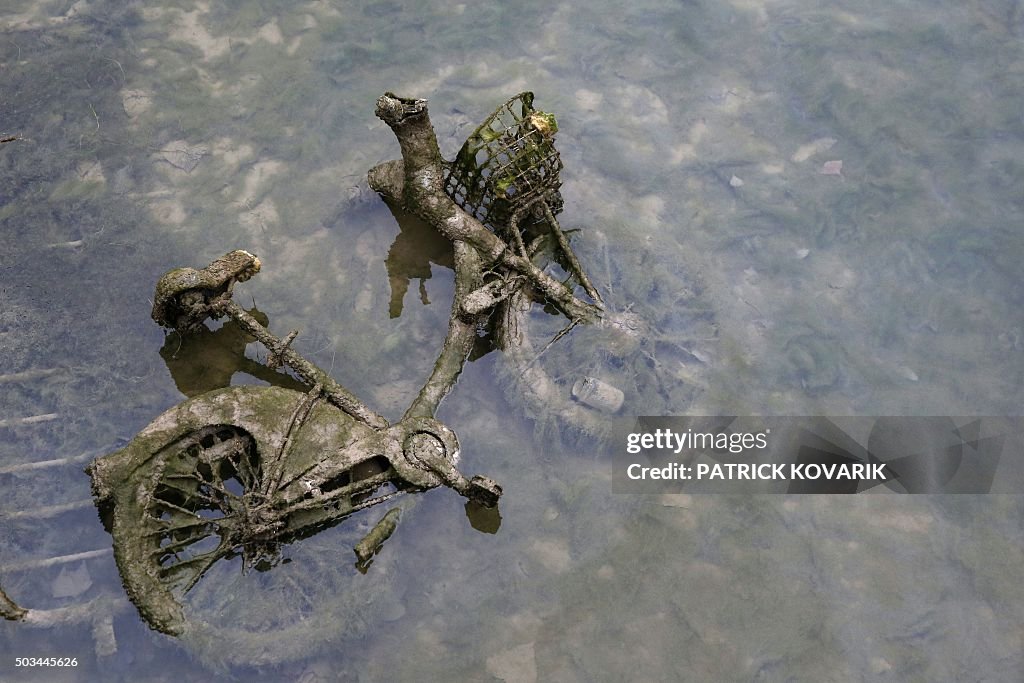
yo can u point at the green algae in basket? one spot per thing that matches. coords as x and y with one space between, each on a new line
508 161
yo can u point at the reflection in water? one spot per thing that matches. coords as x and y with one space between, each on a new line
207 359
414 249
483 519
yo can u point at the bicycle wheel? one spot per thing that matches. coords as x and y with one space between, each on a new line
187 509
648 356
175 496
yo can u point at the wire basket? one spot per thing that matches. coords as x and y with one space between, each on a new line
507 162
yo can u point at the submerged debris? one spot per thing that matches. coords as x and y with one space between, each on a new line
814 147
834 167
598 394
182 157
71 582
9 609
374 540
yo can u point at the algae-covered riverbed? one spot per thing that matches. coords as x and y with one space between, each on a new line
816 208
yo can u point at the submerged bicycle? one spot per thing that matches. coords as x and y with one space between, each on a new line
230 476
237 472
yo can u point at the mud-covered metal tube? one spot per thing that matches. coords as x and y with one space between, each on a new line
374 540
337 394
458 343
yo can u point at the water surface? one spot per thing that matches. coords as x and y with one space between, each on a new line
702 144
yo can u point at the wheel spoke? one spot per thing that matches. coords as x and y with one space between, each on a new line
177 508
197 492
203 561
248 477
220 489
175 546
167 526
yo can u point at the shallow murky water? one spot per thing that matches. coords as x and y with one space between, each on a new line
816 209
